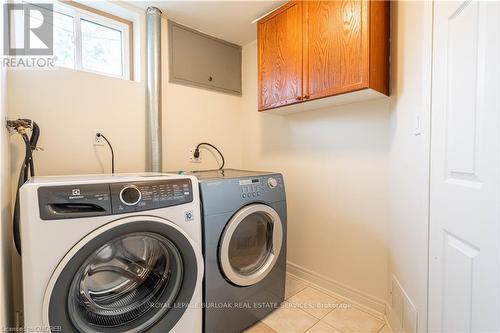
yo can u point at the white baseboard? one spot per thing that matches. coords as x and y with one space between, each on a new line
368 303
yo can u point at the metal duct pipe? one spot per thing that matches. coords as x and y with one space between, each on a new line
153 89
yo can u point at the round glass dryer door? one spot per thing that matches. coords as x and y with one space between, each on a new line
251 244
125 280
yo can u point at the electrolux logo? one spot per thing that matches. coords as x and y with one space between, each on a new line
75 194
28 35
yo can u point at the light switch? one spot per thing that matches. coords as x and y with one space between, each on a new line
417 125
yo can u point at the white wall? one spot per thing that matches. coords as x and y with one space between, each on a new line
192 115
335 166
69 106
409 154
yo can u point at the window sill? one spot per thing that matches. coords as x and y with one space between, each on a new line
92 72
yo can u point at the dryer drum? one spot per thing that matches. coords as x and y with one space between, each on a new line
250 244
123 279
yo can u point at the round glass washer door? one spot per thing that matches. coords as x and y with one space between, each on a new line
251 244
119 282
128 276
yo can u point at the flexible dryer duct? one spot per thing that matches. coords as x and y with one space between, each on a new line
153 89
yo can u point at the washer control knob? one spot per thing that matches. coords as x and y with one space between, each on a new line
272 182
130 195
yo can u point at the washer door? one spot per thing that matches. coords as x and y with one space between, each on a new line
251 244
125 277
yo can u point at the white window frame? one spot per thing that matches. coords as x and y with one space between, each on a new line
80 14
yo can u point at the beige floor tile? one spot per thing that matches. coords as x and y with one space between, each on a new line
293 286
314 302
321 327
289 319
352 320
260 327
385 329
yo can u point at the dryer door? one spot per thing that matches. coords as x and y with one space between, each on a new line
251 244
131 275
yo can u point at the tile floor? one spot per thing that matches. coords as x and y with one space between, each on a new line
308 310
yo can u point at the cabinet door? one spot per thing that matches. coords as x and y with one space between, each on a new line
335 47
204 61
280 57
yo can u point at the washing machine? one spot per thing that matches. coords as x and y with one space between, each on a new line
244 246
110 254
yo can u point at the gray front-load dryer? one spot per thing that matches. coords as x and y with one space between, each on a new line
244 245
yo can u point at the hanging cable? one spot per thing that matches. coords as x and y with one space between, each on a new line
196 153
27 168
100 135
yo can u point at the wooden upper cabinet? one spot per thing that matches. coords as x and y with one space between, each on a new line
280 56
344 48
335 47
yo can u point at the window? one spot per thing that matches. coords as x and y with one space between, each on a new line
89 39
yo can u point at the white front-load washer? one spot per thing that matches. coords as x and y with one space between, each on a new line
110 254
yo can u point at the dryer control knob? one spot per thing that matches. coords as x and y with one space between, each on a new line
272 182
130 195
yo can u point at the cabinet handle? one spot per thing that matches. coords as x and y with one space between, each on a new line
299 98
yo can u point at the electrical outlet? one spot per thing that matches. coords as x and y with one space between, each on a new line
191 157
98 141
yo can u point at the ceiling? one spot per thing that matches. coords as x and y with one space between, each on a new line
228 20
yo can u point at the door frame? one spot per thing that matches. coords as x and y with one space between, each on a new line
426 127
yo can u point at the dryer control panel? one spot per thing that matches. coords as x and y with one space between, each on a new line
253 188
91 200
221 195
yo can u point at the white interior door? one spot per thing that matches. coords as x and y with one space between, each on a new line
464 240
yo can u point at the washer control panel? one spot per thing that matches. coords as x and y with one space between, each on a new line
150 195
92 200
